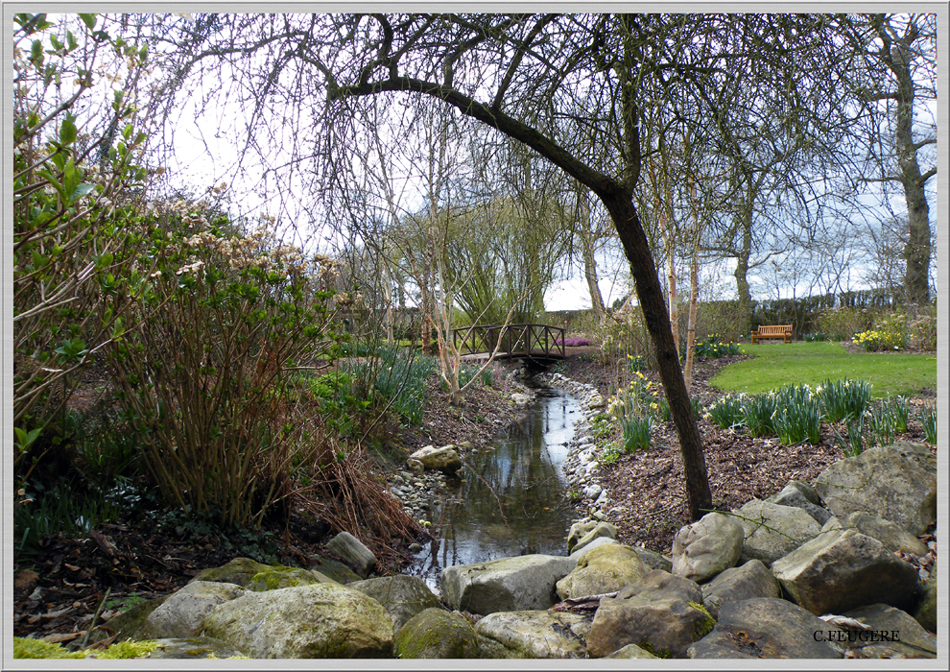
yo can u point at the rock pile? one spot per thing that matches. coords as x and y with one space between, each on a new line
844 567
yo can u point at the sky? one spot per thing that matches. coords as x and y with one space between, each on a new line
203 155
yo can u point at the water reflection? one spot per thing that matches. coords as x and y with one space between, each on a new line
511 498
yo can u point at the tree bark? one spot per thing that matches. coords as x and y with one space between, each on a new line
917 251
656 316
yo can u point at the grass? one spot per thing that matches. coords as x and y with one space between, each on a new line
777 364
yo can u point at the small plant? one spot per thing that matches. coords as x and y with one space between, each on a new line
634 409
666 415
818 336
712 347
882 424
797 416
854 445
759 412
609 456
844 399
928 418
636 363
727 412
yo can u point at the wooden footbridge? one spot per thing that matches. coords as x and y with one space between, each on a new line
537 342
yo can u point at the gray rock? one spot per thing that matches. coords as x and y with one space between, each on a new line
654 560
333 569
893 634
893 536
764 627
194 648
662 613
792 495
772 531
521 583
533 634
436 633
631 651
707 547
752 579
603 570
353 552
895 482
444 459
318 621
182 614
402 596
593 531
578 553
844 569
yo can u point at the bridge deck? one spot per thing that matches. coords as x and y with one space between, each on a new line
527 341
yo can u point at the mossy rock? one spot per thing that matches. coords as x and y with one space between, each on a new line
334 569
132 623
436 633
240 571
706 625
24 647
280 576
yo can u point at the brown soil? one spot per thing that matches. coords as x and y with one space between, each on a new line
57 592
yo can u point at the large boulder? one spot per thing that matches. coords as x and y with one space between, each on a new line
533 634
183 613
603 570
445 459
317 621
707 547
772 530
765 627
893 536
752 579
354 553
402 596
892 634
520 583
844 569
436 633
661 613
898 483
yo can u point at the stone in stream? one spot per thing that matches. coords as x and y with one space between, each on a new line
352 550
508 584
436 633
533 634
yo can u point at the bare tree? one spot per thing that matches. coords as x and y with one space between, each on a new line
570 87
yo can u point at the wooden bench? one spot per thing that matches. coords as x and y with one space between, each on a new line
773 331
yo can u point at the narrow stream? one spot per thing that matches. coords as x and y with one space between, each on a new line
510 499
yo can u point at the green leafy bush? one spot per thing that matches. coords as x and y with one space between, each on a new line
207 382
75 214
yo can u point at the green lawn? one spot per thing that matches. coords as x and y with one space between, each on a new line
775 364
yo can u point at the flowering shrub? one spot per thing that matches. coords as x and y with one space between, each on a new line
204 373
712 347
876 340
574 342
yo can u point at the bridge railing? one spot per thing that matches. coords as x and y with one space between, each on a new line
514 339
